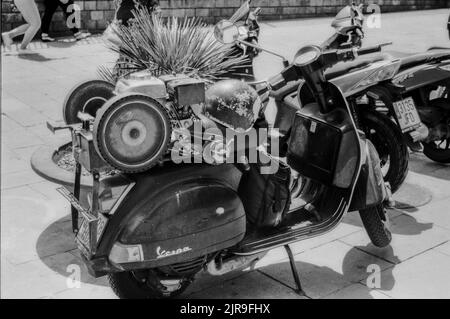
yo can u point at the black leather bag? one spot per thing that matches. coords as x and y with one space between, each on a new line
266 198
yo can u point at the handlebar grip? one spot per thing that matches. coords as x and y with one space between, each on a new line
369 50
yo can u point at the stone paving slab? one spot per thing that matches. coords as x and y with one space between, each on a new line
30 227
357 291
255 285
425 276
43 281
409 238
326 269
444 248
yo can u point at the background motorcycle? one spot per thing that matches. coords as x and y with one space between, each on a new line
350 76
418 100
153 232
248 26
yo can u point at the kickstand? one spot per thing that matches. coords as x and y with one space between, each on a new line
294 271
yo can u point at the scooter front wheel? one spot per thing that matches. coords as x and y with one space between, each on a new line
376 223
146 284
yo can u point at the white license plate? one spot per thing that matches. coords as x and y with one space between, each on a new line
407 115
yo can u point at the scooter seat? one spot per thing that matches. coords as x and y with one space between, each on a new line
408 60
347 67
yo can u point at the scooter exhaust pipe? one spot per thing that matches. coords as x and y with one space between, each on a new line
235 263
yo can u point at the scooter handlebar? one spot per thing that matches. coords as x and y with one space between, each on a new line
373 49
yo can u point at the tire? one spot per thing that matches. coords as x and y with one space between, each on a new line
127 285
118 119
388 141
432 150
436 154
375 221
86 97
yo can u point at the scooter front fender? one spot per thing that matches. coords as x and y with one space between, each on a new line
370 189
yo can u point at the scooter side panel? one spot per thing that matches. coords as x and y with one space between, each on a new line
175 202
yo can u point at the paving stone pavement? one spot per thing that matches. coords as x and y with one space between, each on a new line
36 242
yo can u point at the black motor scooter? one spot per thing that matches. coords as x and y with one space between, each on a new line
153 225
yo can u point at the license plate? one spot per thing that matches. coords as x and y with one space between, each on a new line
407 115
84 236
90 227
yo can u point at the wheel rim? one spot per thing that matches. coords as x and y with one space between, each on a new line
93 104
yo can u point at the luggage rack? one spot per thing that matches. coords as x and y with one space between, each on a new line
92 222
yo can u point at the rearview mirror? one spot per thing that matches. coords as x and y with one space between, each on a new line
226 32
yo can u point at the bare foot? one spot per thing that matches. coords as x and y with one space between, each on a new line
7 41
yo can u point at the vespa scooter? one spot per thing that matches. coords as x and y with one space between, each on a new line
152 225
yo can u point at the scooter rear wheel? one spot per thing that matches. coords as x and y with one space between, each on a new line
376 223
145 284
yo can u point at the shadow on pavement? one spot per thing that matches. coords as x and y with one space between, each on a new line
317 281
414 227
34 57
53 246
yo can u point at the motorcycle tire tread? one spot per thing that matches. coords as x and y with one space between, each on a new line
378 232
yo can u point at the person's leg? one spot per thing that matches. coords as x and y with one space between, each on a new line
50 9
68 8
30 13
9 35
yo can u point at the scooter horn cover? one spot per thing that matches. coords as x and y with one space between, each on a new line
132 132
234 104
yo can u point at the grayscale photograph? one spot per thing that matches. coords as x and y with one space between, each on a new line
234 158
